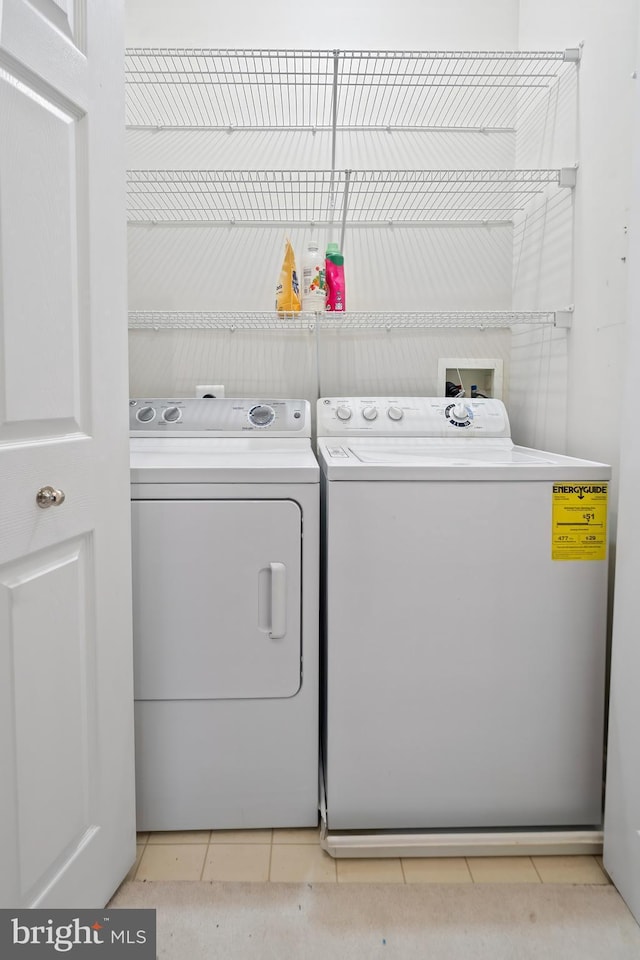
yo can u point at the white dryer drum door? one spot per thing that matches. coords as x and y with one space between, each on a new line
216 599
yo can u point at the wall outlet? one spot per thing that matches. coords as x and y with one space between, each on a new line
209 390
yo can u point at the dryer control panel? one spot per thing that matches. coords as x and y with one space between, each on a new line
412 417
228 416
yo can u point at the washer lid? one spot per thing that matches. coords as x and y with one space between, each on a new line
216 460
425 458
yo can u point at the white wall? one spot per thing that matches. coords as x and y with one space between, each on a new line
342 24
596 344
562 388
218 268
543 259
622 805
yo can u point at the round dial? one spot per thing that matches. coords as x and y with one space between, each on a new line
261 415
343 413
171 415
145 414
395 413
370 413
459 415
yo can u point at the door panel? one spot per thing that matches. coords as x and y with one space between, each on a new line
67 812
210 580
53 60
38 180
45 603
60 12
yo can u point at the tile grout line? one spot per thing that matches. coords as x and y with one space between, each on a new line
206 857
530 859
144 847
533 864
269 880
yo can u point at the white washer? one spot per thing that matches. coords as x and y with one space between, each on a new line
465 667
225 593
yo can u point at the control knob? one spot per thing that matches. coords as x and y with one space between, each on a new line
459 414
262 415
145 414
171 415
370 413
395 413
343 413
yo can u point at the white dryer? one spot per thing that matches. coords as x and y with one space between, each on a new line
225 593
465 610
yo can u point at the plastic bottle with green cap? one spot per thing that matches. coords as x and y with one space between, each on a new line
334 278
313 285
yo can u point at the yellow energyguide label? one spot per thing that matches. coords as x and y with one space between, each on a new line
579 521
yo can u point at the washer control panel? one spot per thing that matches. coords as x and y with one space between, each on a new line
170 416
412 417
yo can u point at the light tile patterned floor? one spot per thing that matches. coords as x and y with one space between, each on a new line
295 856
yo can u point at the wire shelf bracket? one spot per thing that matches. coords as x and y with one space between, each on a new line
564 318
304 321
568 176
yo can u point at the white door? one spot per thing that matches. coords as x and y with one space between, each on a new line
67 830
216 616
622 802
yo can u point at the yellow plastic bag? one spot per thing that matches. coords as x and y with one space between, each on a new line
288 288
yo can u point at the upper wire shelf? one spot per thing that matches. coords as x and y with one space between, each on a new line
321 197
270 320
337 89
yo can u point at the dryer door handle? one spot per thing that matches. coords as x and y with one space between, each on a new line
278 600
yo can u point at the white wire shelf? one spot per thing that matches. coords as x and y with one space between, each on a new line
320 197
337 89
194 320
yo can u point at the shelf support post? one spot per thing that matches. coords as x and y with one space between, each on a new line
345 207
334 128
334 109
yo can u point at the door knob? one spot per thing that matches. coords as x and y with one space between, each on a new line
49 497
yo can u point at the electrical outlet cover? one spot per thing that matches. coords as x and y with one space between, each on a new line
209 390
